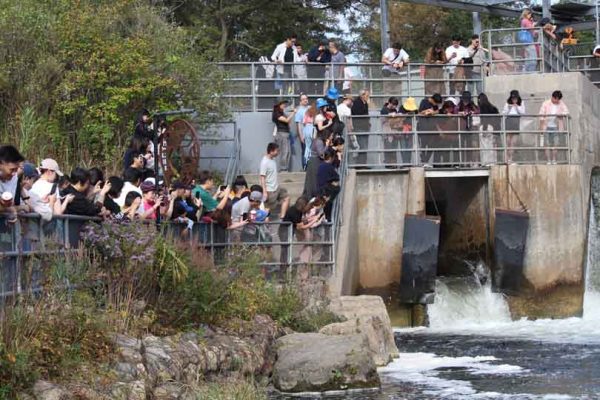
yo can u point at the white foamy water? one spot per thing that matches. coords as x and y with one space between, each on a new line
424 369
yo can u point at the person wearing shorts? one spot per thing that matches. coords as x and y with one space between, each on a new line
275 195
552 124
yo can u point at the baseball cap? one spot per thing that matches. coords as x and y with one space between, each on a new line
256 196
52 165
29 170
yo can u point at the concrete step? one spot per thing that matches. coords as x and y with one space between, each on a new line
293 182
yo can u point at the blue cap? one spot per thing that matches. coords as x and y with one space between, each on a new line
30 171
261 215
333 94
321 102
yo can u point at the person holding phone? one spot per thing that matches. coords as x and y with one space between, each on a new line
46 190
210 202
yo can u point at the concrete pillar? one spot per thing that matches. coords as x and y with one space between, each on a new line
416 192
384 26
546 8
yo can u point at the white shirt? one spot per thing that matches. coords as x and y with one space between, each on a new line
9 185
393 58
268 169
461 52
518 110
279 55
239 209
127 187
343 111
551 119
40 189
300 70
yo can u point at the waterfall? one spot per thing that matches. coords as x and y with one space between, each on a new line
467 302
591 300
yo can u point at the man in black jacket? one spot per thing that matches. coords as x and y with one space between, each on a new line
80 205
360 107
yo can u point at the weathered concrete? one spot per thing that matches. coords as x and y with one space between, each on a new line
345 280
382 201
557 231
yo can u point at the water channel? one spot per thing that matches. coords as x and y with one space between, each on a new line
473 350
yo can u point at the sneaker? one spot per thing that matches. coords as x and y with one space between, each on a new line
548 162
554 162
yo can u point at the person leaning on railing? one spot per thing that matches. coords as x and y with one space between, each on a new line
81 205
553 114
435 59
45 195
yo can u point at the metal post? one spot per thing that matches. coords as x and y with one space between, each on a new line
546 8
489 34
597 22
417 155
504 139
253 91
290 255
476 23
384 26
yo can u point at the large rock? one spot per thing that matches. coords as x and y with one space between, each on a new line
43 390
368 316
308 362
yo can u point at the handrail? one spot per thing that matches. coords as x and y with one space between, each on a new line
457 141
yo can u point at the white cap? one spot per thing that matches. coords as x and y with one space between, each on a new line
51 165
7 196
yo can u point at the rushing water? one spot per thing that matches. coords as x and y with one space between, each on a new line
473 350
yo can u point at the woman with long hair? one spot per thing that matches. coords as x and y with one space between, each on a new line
490 122
282 135
513 109
434 70
308 129
527 36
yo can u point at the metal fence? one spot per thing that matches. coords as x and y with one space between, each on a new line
257 86
456 141
25 246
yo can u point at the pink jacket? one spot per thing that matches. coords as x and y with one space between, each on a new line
546 108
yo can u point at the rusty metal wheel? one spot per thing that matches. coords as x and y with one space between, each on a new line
179 152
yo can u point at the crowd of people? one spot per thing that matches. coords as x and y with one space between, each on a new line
319 126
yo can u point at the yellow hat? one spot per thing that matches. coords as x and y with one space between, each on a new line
410 104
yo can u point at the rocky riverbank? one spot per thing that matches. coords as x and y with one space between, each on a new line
343 355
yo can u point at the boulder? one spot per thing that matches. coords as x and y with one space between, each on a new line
43 390
310 362
371 328
366 315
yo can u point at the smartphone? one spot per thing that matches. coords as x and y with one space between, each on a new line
222 188
197 195
245 217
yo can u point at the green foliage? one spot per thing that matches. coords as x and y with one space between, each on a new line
417 27
245 30
74 75
239 390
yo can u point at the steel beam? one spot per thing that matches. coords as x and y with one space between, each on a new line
461 5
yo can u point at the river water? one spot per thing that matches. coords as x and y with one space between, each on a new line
473 350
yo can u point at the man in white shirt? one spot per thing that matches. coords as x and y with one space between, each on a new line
133 179
394 59
44 192
273 193
10 159
456 55
285 53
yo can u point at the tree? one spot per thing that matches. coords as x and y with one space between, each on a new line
245 30
76 73
417 27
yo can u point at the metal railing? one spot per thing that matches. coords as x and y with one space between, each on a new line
221 151
457 141
515 50
282 249
257 86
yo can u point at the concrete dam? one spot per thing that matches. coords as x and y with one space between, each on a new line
525 222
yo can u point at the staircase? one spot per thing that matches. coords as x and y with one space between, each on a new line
293 182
